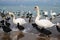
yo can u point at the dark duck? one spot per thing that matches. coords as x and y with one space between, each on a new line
5 27
20 27
1 22
30 18
58 27
7 24
8 18
42 30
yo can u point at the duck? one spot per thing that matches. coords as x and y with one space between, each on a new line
42 30
7 23
58 26
5 28
7 18
53 15
1 23
45 13
20 27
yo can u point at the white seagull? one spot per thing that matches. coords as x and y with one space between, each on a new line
46 14
53 14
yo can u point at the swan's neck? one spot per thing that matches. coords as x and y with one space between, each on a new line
38 15
13 17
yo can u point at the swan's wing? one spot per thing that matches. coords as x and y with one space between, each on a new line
21 21
44 23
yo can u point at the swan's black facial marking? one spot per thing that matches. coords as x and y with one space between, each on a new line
12 16
35 7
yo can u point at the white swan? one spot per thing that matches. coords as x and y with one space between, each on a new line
21 21
42 22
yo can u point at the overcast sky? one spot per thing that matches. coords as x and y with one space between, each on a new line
29 2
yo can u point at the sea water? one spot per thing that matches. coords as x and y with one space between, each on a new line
30 8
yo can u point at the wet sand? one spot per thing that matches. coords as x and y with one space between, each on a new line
15 35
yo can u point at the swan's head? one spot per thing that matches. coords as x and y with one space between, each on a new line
11 14
36 8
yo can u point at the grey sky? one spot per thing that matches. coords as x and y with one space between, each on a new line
29 1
